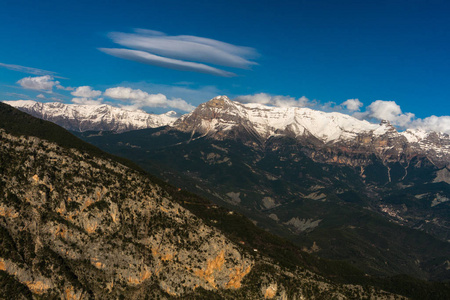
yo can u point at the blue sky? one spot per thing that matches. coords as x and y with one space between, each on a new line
327 51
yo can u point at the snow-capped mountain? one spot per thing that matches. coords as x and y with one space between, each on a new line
93 117
222 114
220 117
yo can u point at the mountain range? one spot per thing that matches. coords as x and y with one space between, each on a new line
79 223
221 115
336 186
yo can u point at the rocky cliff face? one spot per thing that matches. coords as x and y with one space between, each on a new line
93 117
113 229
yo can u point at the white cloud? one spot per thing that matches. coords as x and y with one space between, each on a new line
180 104
85 95
41 96
390 111
160 61
60 87
280 101
149 32
352 104
384 110
136 99
87 101
86 92
184 52
124 93
433 123
187 47
40 83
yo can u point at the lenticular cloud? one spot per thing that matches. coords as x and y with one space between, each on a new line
183 52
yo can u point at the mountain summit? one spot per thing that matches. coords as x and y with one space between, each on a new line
222 114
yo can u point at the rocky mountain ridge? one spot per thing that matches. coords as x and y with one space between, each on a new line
93 117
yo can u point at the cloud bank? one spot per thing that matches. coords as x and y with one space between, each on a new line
137 99
183 52
392 112
85 95
433 123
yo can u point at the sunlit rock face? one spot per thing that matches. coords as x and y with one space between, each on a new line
103 221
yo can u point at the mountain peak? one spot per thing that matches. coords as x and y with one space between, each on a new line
218 114
220 98
219 102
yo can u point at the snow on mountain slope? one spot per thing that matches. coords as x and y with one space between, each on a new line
300 121
93 117
221 115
